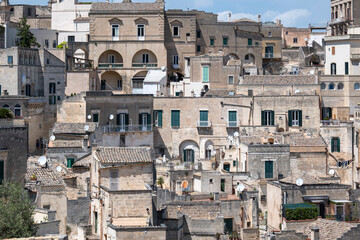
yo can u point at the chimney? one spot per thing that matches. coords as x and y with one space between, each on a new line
277 22
259 18
315 234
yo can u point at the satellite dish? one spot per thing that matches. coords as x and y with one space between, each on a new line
52 138
297 91
312 72
163 68
240 188
59 168
86 127
305 39
111 117
42 160
184 184
89 117
236 134
299 182
23 79
332 172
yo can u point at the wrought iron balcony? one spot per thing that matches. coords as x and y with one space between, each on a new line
203 124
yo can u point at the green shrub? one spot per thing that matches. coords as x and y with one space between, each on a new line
302 213
5 113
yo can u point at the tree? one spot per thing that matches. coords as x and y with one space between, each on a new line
27 39
16 218
5 113
160 181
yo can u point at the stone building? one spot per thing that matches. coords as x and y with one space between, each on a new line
343 15
118 176
295 37
271 47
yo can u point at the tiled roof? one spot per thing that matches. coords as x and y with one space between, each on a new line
82 19
66 144
329 229
300 139
84 161
103 6
307 178
73 128
109 155
44 175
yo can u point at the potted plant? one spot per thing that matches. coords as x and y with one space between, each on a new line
33 177
160 181
211 197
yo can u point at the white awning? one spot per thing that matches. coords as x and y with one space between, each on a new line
340 201
155 76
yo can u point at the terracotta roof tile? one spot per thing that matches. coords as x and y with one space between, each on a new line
109 155
73 128
44 175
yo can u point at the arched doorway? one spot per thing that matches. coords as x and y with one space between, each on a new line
111 80
144 59
110 59
138 82
189 151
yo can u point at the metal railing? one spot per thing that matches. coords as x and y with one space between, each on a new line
121 38
127 128
269 55
330 122
232 124
144 65
110 65
205 124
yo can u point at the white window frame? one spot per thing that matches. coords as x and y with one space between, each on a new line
267 114
229 77
115 32
111 58
178 31
145 58
295 118
140 33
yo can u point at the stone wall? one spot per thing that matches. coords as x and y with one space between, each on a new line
195 210
146 233
280 79
78 211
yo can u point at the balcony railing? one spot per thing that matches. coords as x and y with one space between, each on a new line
232 124
269 55
331 122
203 124
144 65
355 56
127 128
111 65
339 20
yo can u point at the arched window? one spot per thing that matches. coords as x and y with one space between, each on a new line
6 106
17 110
356 86
331 86
340 86
333 69
322 86
52 88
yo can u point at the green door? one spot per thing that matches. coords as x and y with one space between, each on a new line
227 167
203 118
70 162
222 186
269 169
2 171
205 74
232 119
228 225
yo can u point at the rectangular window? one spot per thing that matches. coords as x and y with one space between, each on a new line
122 121
52 100
326 113
141 32
138 83
205 74
71 38
158 118
230 80
176 31
269 52
145 58
208 154
335 144
333 50
47 43
95 117
212 42
70 162
295 118
267 118
115 32
198 34
47 61
198 48
225 41
10 60
269 34
175 118
234 163
175 61
269 169
111 58
204 118
295 40
29 12
232 119
250 42
54 44
346 68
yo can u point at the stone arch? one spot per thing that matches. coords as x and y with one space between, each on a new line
189 151
137 82
249 59
231 56
80 55
110 58
175 76
111 80
144 58
209 149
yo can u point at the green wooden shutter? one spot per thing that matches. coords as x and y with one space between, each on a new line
338 145
184 155
70 162
192 156
346 68
204 116
332 144
290 118
300 118
205 74
149 119
175 118
160 113
272 118
2 171
330 113
232 116
263 118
